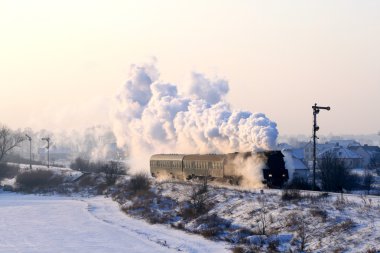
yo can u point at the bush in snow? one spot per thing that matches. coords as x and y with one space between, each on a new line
211 225
8 171
112 171
335 175
368 180
139 183
198 203
299 183
291 194
38 180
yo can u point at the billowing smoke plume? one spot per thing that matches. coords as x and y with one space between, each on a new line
153 117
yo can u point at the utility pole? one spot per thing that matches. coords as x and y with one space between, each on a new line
316 110
30 150
48 146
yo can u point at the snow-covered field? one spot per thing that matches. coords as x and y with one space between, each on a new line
313 221
31 223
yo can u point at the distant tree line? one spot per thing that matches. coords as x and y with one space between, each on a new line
111 169
8 140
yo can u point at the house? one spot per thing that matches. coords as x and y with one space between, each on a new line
294 164
374 152
308 151
344 143
366 156
350 159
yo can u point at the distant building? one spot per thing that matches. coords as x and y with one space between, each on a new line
308 151
294 163
374 152
55 153
350 159
344 143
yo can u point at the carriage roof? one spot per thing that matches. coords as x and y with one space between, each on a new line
208 157
165 157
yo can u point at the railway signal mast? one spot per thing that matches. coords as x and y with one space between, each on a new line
30 150
316 110
47 139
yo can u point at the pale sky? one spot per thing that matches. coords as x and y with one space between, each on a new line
62 61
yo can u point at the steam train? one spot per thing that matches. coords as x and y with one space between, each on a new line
220 166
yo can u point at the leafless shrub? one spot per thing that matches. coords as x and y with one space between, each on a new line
210 232
38 180
340 227
101 188
88 180
212 225
299 183
368 180
335 175
340 202
323 195
367 202
198 198
372 250
198 202
85 165
291 219
338 249
8 171
262 218
112 171
273 246
303 229
291 194
317 212
238 249
139 183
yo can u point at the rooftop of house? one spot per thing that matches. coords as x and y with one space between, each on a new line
340 152
371 148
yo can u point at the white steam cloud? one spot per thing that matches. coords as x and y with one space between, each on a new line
153 117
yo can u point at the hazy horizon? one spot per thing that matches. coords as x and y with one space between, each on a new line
63 62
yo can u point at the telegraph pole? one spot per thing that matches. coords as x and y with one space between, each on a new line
316 110
30 150
48 146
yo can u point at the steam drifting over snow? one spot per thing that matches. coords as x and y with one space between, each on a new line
153 117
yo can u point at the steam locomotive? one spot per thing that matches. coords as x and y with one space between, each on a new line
220 166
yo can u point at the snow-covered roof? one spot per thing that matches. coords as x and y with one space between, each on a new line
372 149
344 143
298 164
299 153
341 153
293 162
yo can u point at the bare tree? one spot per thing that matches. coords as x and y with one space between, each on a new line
305 232
368 180
112 170
8 140
262 218
335 175
199 197
372 162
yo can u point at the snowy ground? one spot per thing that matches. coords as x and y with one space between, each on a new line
30 223
325 223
